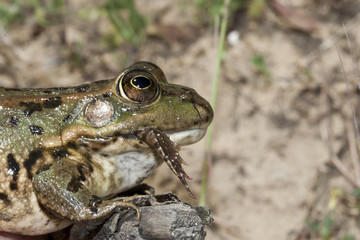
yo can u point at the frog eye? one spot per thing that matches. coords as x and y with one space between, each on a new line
138 86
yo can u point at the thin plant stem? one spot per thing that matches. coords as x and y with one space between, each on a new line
356 72
207 161
347 84
334 159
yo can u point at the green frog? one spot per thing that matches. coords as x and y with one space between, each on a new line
65 153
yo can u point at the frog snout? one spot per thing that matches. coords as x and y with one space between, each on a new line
202 107
205 111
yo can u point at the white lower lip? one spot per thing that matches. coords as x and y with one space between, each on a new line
187 137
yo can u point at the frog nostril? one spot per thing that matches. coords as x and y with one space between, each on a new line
207 118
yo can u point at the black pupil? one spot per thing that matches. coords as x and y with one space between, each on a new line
141 82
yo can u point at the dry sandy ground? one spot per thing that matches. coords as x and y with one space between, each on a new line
270 156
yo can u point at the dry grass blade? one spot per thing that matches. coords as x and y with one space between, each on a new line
353 151
334 159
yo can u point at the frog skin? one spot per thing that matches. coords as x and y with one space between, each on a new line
66 152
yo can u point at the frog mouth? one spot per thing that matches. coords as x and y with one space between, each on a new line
166 147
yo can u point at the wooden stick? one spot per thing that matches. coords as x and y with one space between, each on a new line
164 217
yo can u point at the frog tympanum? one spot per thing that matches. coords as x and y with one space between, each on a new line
65 152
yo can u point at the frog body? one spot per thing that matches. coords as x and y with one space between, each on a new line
64 152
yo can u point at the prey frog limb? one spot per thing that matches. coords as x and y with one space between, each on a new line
169 152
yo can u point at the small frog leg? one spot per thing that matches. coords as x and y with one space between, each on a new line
169 152
138 200
61 188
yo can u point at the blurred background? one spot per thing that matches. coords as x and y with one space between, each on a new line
283 124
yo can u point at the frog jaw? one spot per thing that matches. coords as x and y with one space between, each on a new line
186 137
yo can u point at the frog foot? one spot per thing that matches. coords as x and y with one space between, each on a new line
125 203
133 202
169 152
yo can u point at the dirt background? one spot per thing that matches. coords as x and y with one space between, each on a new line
275 134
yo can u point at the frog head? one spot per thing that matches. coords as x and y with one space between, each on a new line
140 98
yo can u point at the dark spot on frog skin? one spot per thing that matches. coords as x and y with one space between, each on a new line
104 144
145 125
48 92
60 153
157 145
13 186
164 93
87 155
5 217
30 162
137 146
117 133
14 121
91 169
81 172
68 119
5 198
95 149
12 89
13 169
72 145
75 183
106 95
82 89
43 168
36 130
52 102
31 107
94 203
83 144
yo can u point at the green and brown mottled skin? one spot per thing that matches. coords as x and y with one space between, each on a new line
64 152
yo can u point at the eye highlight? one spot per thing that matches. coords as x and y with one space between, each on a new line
138 86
